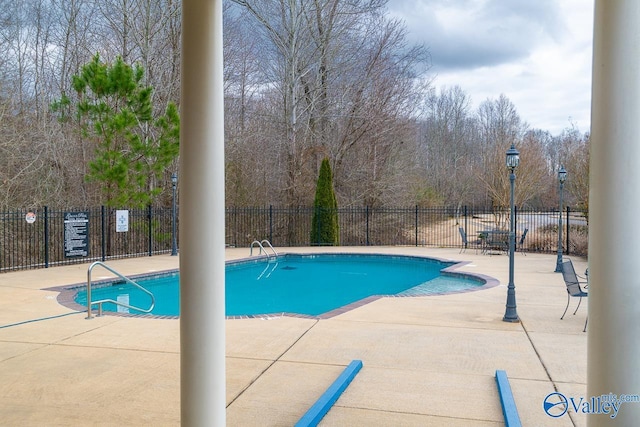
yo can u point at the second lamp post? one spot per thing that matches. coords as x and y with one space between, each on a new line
562 177
513 160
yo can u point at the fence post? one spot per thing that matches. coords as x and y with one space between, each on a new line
367 226
103 227
416 225
271 225
150 236
46 237
233 213
568 230
317 212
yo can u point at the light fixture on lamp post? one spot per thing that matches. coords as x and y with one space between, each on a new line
562 177
512 161
174 241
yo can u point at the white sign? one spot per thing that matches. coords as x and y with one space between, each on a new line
122 221
30 217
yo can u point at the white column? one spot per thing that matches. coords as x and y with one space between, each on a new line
202 236
614 231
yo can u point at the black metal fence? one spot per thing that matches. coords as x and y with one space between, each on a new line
436 227
44 237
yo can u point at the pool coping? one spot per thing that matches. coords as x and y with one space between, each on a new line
67 293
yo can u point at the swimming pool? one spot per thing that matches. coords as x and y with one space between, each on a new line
310 285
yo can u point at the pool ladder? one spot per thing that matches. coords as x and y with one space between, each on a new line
261 245
100 302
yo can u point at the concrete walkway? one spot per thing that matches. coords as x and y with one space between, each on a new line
427 360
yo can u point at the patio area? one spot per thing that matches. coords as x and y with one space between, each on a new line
427 360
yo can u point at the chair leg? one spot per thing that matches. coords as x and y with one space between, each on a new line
565 309
579 301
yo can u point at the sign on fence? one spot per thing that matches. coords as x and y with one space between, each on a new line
76 234
122 221
30 217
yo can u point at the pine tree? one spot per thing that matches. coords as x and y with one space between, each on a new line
114 111
325 229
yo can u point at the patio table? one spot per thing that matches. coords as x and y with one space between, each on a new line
494 240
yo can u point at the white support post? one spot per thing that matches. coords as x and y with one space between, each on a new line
202 236
614 202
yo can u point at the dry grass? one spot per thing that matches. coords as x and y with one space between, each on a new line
546 239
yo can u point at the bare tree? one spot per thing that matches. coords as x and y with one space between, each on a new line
346 80
381 95
246 151
304 80
446 148
534 176
575 158
499 128
282 23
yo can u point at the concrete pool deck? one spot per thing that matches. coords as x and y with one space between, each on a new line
427 360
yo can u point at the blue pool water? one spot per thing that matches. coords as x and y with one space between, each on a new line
302 284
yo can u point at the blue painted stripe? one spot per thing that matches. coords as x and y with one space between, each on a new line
319 409
509 410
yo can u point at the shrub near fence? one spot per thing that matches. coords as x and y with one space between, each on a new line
39 244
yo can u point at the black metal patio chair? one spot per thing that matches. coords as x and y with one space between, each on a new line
573 282
465 241
521 241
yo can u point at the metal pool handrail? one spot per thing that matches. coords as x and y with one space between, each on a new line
100 302
262 249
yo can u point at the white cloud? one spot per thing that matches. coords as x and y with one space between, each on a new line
537 53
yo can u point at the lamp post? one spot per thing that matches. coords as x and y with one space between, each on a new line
174 241
562 177
512 160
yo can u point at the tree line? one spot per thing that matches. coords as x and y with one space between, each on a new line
304 81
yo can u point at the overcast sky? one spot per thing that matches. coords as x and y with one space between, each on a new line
536 52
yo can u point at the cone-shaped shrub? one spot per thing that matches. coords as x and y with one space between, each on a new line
324 225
